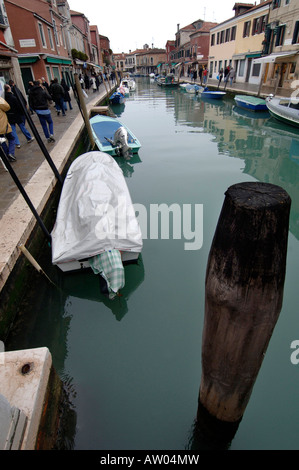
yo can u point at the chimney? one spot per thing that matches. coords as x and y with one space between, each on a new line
178 27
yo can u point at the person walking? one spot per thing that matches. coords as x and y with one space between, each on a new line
6 131
226 76
57 93
39 100
16 116
66 96
220 75
232 75
205 75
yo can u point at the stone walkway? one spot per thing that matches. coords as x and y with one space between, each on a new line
30 157
38 180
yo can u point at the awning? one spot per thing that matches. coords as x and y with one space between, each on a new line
28 59
159 65
239 56
54 60
253 55
274 57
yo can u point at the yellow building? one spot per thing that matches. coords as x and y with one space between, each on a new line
238 40
250 34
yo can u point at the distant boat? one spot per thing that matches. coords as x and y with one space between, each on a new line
215 95
284 109
252 103
193 88
95 217
117 98
128 84
113 137
168 81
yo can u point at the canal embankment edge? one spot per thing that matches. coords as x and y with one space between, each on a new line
17 223
29 383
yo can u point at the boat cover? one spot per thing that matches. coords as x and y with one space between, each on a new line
109 266
95 211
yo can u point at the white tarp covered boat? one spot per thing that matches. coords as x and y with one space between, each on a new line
95 215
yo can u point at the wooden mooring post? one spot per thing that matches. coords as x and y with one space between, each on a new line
244 291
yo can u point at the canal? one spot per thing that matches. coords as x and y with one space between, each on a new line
132 367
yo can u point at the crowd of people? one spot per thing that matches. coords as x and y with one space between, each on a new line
41 95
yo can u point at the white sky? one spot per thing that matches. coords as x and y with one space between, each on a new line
129 24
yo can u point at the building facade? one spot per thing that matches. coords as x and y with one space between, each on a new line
279 63
150 60
237 41
9 64
42 48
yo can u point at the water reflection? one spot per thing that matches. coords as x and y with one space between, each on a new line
86 285
270 149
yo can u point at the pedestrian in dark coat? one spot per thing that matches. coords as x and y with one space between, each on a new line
16 116
66 96
39 100
57 93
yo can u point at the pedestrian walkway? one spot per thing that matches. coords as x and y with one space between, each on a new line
37 178
30 157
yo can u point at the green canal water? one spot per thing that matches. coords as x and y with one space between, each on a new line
132 367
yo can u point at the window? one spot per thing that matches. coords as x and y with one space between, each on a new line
227 35
256 70
50 38
246 29
62 35
222 37
233 33
295 39
55 33
241 68
279 31
212 39
42 36
218 38
275 4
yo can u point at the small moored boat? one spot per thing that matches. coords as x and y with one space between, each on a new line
128 84
113 137
117 98
252 103
193 88
96 226
168 81
215 95
284 109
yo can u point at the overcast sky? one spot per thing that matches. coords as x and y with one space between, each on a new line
131 24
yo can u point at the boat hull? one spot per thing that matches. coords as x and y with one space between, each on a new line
104 127
251 103
214 95
117 98
283 112
83 264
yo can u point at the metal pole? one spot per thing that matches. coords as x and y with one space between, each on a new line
23 192
37 136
